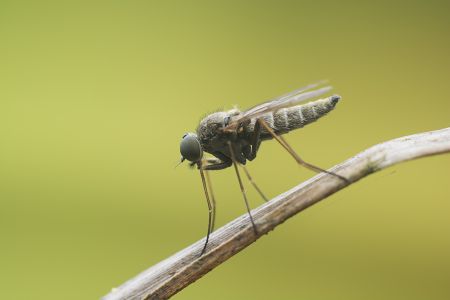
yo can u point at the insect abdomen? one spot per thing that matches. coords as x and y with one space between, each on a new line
290 118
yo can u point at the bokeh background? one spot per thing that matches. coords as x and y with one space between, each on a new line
94 99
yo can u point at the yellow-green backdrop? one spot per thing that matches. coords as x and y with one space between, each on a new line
95 96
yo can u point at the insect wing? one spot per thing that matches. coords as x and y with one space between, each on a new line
289 99
285 96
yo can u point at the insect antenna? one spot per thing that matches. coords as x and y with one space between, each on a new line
254 183
233 158
179 163
291 151
210 209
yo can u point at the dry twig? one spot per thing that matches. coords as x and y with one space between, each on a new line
183 268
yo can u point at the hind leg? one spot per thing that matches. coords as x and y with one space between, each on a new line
255 142
291 151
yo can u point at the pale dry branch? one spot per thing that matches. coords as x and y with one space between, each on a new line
183 268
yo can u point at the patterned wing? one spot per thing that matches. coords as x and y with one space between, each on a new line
290 99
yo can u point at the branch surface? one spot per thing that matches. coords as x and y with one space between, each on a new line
171 275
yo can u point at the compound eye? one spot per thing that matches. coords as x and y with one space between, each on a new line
190 147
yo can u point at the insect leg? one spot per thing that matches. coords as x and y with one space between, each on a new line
219 162
213 200
210 209
217 165
291 151
255 141
254 184
242 187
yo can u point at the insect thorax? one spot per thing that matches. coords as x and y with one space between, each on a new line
209 130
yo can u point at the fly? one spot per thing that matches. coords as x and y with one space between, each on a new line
233 137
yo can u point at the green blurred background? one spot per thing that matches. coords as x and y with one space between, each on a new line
94 99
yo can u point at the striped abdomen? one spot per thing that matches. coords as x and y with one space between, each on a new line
290 118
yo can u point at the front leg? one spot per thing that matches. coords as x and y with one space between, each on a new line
218 162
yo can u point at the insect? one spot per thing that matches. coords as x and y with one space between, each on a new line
233 137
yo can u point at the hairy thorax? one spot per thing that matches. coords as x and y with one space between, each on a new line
210 133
